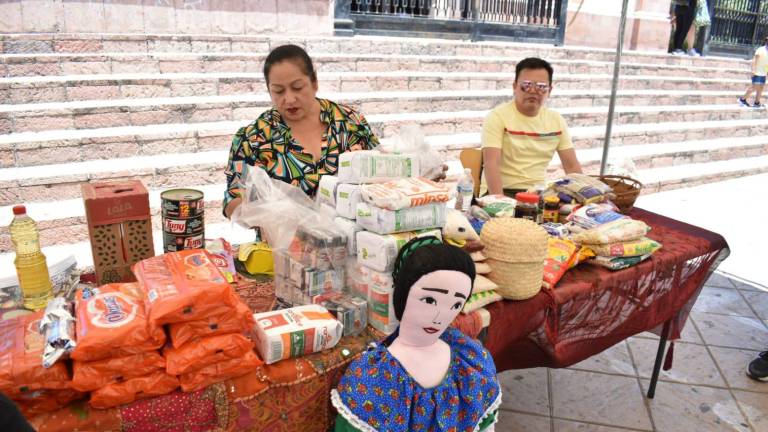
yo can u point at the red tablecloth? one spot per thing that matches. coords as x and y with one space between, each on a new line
589 310
593 308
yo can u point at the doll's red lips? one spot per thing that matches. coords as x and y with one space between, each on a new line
430 330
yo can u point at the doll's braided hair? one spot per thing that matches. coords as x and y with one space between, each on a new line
421 256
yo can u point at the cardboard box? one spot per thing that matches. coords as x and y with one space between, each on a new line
119 226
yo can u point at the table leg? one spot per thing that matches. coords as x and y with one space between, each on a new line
659 360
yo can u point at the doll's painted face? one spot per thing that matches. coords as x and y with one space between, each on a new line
433 302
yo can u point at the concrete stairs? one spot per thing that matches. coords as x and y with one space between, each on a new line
163 109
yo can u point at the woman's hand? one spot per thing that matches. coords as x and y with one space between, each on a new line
441 175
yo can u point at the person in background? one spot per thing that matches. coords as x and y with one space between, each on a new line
759 72
300 138
683 14
520 137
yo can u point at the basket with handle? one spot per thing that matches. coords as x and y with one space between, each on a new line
626 190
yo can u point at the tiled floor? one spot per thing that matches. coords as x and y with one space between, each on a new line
706 390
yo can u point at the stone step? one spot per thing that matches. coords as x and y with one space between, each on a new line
36 148
23 90
63 221
649 145
145 111
21 65
48 43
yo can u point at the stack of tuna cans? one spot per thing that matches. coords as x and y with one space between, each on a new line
183 220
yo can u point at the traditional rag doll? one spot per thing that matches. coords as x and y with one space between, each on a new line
425 376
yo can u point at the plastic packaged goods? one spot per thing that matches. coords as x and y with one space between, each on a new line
641 246
112 322
371 166
410 140
89 376
31 266
560 255
347 198
582 188
20 355
350 229
479 300
351 311
383 221
620 230
42 401
311 280
58 328
237 320
223 256
326 190
495 206
618 263
221 371
183 286
592 215
204 352
556 229
379 252
295 332
404 193
155 384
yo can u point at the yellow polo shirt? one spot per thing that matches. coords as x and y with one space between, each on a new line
527 143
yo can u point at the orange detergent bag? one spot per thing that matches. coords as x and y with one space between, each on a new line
183 286
156 384
42 401
88 376
204 352
112 321
220 371
21 358
238 320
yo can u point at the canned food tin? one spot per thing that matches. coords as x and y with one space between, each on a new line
182 203
175 243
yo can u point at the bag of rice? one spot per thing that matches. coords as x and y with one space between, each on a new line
295 332
383 221
641 246
618 263
620 230
560 255
370 166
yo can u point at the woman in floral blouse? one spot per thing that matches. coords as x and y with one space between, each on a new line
301 137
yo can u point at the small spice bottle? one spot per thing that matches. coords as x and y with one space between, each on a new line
527 206
551 209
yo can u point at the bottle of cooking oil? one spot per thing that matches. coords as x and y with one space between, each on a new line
30 262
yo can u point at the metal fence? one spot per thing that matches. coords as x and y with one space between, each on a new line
738 26
535 20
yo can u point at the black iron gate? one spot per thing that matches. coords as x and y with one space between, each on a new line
738 26
519 20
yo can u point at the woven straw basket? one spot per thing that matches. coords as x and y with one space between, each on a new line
626 190
516 249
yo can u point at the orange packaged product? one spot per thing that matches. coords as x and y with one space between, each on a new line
89 376
220 371
183 286
21 358
42 401
204 352
112 321
238 321
156 384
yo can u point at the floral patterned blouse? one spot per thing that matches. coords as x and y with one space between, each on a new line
267 143
377 394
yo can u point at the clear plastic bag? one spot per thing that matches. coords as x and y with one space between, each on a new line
410 140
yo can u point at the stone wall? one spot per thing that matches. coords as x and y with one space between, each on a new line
233 17
595 23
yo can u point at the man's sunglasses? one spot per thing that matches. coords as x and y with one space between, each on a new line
540 87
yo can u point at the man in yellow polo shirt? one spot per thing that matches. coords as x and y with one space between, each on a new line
520 137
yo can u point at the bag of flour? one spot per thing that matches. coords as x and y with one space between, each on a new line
295 332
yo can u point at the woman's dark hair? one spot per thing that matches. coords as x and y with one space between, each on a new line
421 256
292 53
533 63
